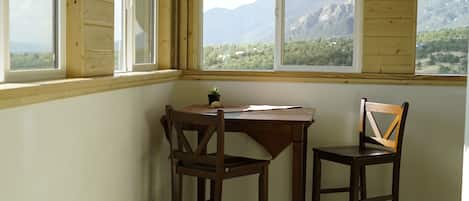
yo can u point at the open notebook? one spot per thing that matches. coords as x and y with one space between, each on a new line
250 108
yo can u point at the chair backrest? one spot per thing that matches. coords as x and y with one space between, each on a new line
386 139
207 126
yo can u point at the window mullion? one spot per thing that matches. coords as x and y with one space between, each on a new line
4 35
149 29
129 35
358 36
279 33
46 63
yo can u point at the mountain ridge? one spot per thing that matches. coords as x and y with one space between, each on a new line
255 22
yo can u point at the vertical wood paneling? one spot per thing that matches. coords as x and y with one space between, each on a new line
164 34
90 38
396 46
389 33
382 8
183 33
387 28
195 34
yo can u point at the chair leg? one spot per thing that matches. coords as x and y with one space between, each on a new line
212 190
201 189
354 178
217 190
363 182
395 180
174 181
178 189
263 184
316 177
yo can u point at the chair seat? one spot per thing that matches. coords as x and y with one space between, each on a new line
233 165
354 152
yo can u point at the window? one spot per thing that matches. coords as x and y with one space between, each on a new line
144 32
33 41
442 37
135 35
119 32
303 35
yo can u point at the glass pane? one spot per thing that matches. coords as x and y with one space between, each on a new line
238 34
119 53
32 34
144 31
443 36
319 32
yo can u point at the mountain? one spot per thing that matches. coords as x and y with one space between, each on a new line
252 22
19 47
255 22
306 19
330 20
451 14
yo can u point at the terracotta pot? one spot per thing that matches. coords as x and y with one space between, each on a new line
212 98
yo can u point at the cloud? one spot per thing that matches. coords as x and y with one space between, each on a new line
228 4
31 21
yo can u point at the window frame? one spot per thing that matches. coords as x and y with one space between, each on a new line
280 43
465 74
279 38
9 75
128 21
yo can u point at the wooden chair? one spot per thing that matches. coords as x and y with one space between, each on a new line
198 163
385 150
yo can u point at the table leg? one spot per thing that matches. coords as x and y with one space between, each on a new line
299 163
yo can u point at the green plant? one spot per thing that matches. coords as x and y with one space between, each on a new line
215 91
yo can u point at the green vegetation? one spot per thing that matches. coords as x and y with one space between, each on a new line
438 52
443 52
260 56
29 60
320 52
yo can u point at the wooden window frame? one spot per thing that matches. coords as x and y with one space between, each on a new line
129 39
196 18
9 75
430 74
280 42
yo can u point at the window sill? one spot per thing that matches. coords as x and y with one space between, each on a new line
18 94
318 77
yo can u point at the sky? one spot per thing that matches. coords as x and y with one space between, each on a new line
31 21
228 4
36 15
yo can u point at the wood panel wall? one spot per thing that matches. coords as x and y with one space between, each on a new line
389 34
90 38
165 36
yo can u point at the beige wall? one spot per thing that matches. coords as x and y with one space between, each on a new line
96 147
465 187
432 158
88 148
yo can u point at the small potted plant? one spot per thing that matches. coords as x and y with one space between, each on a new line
214 95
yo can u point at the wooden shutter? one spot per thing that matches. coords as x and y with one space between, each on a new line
90 38
389 34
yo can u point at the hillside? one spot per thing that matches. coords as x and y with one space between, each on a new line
450 14
331 20
309 19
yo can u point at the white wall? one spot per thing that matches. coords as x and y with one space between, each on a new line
465 187
97 147
432 158
93 148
